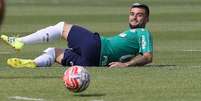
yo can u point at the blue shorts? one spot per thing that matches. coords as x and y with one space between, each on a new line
84 48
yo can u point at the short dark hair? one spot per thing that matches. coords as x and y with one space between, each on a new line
139 5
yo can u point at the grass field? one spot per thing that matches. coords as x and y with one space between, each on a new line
174 74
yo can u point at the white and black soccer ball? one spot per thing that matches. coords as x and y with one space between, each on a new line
76 79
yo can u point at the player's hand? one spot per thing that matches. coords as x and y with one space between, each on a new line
117 64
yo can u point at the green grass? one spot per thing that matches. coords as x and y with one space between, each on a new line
174 74
131 84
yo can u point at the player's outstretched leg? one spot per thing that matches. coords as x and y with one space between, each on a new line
44 60
44 35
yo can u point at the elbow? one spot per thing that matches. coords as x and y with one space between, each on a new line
149 60
148 57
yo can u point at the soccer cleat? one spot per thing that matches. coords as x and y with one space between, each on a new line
13 42
21 63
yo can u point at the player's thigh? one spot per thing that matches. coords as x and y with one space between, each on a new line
77 36
59 54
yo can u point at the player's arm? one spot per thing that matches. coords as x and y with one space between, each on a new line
139 60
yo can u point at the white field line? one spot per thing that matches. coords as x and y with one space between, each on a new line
5 52
96 100
192 50
195 66
25 98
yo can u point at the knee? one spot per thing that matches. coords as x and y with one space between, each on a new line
66 29
59 53
64 24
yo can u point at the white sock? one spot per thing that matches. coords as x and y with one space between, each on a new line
44 35
46 59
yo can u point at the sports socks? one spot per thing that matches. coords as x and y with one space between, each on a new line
44 35
46 59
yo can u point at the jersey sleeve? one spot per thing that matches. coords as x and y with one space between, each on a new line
145 42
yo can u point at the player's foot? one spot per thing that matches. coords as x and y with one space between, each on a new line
13 42
21 63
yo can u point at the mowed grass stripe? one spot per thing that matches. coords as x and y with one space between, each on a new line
64 10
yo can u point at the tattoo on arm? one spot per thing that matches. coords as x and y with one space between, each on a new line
138 60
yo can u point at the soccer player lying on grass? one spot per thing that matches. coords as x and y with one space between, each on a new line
132 47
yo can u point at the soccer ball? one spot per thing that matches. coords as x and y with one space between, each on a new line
76 79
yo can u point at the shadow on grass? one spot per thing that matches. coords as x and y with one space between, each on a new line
90 95
166 65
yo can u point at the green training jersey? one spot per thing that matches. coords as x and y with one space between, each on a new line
125 45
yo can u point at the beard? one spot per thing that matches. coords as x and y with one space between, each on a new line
139 25
133 27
